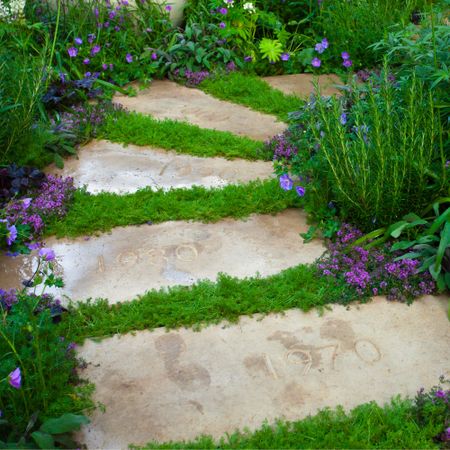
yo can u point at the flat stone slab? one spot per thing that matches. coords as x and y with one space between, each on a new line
131 260
111 167
166 99
180 384
302 84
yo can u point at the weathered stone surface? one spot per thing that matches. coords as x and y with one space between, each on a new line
111 167
180 384
165 99
302 84
131 260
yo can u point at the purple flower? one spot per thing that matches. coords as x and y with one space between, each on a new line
125 2
112 14
148 30
117 28
319 48
222 25
11 235
15 379
95 49
129 58
345 55
105 66
347 63
26 202
111 67
106 24
96 13
300 191
248 59
87 75
168 8
154 56
62 77
47 254
223 11
78 41
86 61
343 118
285 56
440 394
325 43
316 62
91 38
285 182
72 51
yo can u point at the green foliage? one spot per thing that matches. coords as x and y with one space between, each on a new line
205 302
93 213
117 30
384 160
270 49
198 47
354 25
253 92
402 423
22 64
429 241
139 129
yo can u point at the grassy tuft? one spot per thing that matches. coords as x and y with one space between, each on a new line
205 302
90 214
367 426
139 129
252 91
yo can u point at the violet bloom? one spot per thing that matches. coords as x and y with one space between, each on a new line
345 55
319 48
316 62
347 63
285 182
111 67
343 118
440 394
106 24
26 202
223 11
72 51
78 41
168 8
117 28
96 13
248 59
95 49
154 56
325 43
86 61
125 2
112 14
222 25
91 38
15 379
104 66
129 58
148 30
285 56
47 254
11 235
300 191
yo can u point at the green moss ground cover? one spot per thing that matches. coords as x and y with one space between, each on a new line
95 213
139 129
206 302
395 425
251 91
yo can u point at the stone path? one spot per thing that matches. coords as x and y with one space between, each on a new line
131 260
177 385
302 84
111 167
166 99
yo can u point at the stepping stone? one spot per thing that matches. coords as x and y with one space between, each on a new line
111 167
131 260
302 84
180 384
166 99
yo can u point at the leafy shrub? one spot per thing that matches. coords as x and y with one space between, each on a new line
356 24
38 378
374 153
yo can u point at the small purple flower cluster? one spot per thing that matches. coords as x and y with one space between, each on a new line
375 271
195 78
7 299
281 146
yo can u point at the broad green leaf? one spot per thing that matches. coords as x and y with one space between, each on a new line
445 242
43 440
64 424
